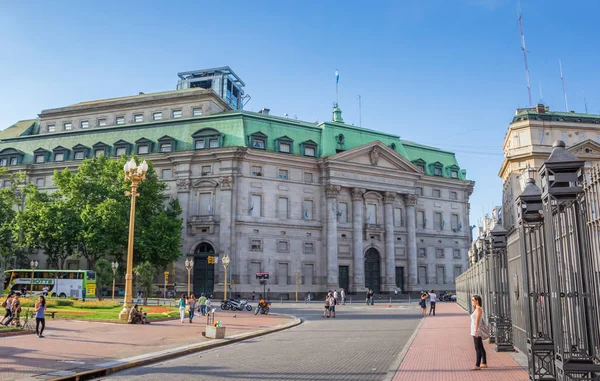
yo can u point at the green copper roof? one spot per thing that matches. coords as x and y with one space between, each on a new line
22 127
532 114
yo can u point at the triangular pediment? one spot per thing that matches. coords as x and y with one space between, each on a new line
375 154
586 149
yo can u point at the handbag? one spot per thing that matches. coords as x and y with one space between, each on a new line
484 330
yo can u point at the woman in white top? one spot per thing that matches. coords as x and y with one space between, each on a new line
476 319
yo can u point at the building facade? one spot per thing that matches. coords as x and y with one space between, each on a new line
329 204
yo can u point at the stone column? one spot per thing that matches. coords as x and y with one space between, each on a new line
332 192
390 255
411 201
357 239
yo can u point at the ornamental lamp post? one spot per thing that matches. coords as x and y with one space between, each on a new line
225 265
114 266
34 265
135 175
189 265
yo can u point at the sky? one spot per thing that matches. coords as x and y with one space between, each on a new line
446 73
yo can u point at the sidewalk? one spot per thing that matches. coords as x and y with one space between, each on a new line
443 350
77 346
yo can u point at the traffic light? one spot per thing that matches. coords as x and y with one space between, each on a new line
211 260
166 276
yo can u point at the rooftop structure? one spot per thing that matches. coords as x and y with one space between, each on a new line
222 80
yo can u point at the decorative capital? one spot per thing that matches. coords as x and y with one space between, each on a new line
389 197
410 199
226 182
374 155
332 190
357 194
183 185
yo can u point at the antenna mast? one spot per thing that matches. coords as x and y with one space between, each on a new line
541 94
585 102
523 48
359 112
562 78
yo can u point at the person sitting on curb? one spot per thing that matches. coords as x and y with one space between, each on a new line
135 316
144 316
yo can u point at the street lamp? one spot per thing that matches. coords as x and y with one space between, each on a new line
34 265
225 265
136 175
297 275
189 265
114 266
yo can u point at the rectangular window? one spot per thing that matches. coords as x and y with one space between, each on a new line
457 254
68 126
101 122
422 252
59 157
398 217
441 274
309 151
157 116
453 196
255 245
98 152
283 174
257 171
563 137
166 174
258 143
143 149
206 170
521 139
205 201
438 221
282 207
137 118
196 112
40 182
165 147
283 246
309 248
256 206
200 144
51 127
120 120
421 167
437 171
439 253
371 214
213 143
419 191
3 162
40 158
284 148
121 151
422 275
343 212
79 155
454 174
542 136
421 220
455 222
177 114
457 271
437 193
308 177
307 209
13 161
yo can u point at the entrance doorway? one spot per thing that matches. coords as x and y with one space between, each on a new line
204 273
343 278
400 279
372 271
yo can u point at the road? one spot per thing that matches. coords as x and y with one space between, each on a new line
361 343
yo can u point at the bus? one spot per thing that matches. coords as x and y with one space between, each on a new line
62 283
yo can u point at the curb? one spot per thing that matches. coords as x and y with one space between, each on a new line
393 369
101 372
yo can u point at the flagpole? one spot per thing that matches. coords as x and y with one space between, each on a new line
337 79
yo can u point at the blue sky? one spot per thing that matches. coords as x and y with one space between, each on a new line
448 73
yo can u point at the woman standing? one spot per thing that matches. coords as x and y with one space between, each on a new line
182 303
327 301
423 304
40 310
476 321
191 307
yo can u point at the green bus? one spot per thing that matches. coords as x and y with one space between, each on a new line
61 283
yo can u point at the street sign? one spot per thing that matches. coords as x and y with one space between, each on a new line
262 275
166 276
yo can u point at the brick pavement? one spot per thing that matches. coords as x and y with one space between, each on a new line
443 350
71 344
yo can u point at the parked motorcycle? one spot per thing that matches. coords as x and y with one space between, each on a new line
239 305
263 307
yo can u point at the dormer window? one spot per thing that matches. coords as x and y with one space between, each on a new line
437 171
100 149
166 144
285 148
420 164
284 144
39 159
11 156
165 147
143 146
60 154
41 155
258 140
453 171
122 147
13 161
80 152
3 162
207 138
454 174
437 168
309 148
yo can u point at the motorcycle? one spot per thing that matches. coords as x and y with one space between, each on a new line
263 307
226 305
239 305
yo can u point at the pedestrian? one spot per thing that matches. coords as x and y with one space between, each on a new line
182 303
45 291
326 310
370 296
202 303
7 304
343 293
191 307
476 323
335 295
396 293
15 318
253 295
139 297
309 296
208 304
423 303
432 300
332 304
135 316
40 319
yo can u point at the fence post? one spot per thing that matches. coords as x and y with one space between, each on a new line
504 337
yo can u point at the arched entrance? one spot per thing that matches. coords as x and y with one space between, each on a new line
372 271
204 273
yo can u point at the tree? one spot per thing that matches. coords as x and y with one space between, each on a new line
145 275
104 276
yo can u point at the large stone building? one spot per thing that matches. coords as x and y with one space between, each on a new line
335 204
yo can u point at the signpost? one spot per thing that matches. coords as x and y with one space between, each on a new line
263 277
166 281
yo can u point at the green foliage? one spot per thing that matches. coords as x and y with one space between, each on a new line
104 275
145 273
96 305
63 302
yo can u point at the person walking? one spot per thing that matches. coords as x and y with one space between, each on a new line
45 291
327 301
202 303
332 303
476 322
139 297
343 293
15 318
423 304
370 296
182 303
40 319
335 295
432 300
191 307
7 304
253 295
